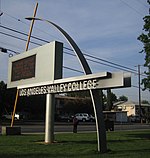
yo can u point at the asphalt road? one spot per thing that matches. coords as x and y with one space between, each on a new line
39 127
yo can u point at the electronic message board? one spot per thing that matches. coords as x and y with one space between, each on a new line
23 68
36 65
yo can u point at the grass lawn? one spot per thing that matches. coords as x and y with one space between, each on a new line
128 144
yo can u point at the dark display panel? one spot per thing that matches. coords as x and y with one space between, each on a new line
23 68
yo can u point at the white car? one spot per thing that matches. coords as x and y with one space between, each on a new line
82 117
92 118
9 116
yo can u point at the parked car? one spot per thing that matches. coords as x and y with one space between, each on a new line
92 118
135 119
9 116
66 118
82 117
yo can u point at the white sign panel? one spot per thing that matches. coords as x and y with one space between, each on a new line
36 65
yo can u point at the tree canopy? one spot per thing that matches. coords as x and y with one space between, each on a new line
145 39
123 98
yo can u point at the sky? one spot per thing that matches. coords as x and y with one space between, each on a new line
105 29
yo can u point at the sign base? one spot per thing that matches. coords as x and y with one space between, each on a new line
11 130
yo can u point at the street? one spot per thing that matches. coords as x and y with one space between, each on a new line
39 127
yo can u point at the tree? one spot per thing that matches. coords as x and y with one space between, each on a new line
111 97
7 97
123 98
80 94
2 98
2 95
145 39
145 102
76 105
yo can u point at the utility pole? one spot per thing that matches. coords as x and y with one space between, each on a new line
31 26
27 45
139 83
109 100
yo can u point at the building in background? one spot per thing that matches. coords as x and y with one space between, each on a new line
132 109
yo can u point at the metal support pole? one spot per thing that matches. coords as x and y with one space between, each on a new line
109 100
99 118
49 119
139 93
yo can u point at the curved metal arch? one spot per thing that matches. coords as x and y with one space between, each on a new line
71 42
101 133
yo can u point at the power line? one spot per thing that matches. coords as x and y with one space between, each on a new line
91 56
102 63
73 69
110 66
131 7
109 62
68 48
19 20
136 87
25 34
117 66
18 38
140 88
65 67
14 18
88 60
6 51
142 3
13 51
10 44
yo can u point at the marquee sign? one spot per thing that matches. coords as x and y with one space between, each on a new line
93 81
26 68
23 68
